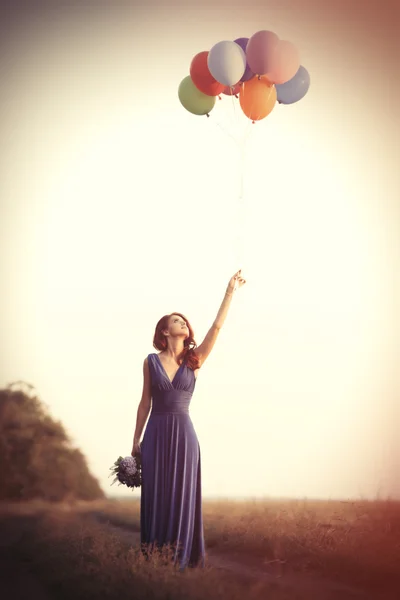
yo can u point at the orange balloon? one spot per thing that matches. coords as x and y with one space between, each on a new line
257 97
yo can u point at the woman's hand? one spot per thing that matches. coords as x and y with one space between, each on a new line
135 448
235 282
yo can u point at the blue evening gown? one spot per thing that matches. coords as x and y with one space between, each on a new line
170 505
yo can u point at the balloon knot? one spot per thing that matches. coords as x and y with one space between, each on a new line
259 77
219 97
253 122
207 115
236 96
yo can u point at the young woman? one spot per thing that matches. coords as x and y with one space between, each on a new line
170 509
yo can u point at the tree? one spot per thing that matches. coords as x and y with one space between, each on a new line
37 459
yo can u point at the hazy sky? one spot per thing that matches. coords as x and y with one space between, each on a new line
118 206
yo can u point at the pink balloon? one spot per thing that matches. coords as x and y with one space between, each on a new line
260 51
285 63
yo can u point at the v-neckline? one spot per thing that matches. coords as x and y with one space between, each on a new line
165 372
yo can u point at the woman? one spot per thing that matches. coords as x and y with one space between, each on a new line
170 509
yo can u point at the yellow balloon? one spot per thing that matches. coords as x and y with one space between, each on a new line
193 99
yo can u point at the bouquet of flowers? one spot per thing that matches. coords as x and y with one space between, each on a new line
127 471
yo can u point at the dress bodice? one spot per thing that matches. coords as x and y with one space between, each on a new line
170 396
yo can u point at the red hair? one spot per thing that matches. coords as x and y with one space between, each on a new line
187 354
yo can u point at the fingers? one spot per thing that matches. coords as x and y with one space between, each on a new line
239 279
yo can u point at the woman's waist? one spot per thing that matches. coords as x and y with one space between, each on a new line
171 403
165 410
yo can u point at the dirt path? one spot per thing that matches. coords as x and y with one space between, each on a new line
310 585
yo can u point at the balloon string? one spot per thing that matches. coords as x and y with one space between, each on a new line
238 243
222 128
234 108
241 143
242 204
241 214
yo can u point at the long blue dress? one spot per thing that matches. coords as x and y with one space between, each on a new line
170 504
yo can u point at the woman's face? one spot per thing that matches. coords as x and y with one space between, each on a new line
177 326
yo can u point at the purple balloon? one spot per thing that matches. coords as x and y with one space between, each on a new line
248 74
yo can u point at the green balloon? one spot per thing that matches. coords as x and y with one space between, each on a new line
193 99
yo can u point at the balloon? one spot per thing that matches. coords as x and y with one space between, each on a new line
295 89
248 74
227 62
285 63
232 90
201 76
257 98
193 99
260 51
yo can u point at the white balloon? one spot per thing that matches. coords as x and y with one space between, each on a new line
227 62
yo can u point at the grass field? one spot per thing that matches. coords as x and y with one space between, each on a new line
75 549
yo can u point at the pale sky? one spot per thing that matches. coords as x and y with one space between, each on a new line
118 206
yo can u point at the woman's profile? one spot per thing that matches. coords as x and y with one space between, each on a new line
170 504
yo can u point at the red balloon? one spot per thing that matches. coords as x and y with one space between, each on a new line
201 76
232 91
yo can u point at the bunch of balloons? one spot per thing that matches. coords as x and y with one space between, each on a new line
260 71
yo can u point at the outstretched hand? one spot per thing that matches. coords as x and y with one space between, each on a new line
235 282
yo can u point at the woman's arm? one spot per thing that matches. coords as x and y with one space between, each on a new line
223 310
208 343
235 282
144 404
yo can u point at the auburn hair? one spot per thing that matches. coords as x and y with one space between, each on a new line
160 341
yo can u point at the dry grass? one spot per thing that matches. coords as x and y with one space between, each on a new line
76 557
356 542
